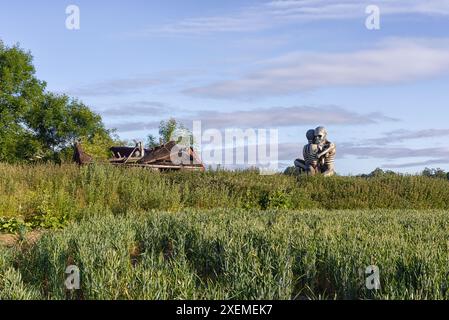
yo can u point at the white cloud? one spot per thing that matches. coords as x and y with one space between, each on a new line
387 148
277 13
136 108
417 163
116 86
277 117
392 153
134 126
405 135
390 62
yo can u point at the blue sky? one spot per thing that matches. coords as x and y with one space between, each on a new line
290 65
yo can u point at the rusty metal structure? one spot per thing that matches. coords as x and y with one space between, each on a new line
158 158
79 156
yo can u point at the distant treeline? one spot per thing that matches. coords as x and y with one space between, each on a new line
427 172
378 172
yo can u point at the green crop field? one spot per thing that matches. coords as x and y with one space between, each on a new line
135 234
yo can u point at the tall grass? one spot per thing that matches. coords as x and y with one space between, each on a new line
49 196
137 234
237 254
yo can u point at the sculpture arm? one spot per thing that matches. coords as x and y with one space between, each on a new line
327 150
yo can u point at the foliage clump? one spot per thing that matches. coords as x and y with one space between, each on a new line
38 125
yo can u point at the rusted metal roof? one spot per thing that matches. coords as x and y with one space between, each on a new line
158 158
162 155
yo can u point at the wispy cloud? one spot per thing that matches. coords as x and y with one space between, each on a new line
288 152
133 126
272 14
392 153
275 117
387 148
390 62
417 163
138 108
405 135
116 87
379 149
383 148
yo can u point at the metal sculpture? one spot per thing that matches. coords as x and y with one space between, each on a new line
319 154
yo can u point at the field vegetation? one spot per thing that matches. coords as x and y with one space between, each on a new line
236 254
136 234
49 196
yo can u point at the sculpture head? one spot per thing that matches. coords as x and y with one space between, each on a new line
320 135
310 135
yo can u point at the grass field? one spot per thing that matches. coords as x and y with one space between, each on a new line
48 196
220 235
237 254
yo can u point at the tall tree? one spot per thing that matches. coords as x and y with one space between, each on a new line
168 130
59 120
36 123
20 90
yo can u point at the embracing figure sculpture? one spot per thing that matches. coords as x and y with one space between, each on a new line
319 154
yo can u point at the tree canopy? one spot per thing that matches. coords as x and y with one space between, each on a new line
35 123
169 130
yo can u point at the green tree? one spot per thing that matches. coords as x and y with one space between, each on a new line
434 173
167 130
36 124
59 121
20 90
378 172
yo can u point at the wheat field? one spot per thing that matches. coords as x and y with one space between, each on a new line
135 234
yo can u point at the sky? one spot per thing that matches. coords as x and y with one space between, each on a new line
288 65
